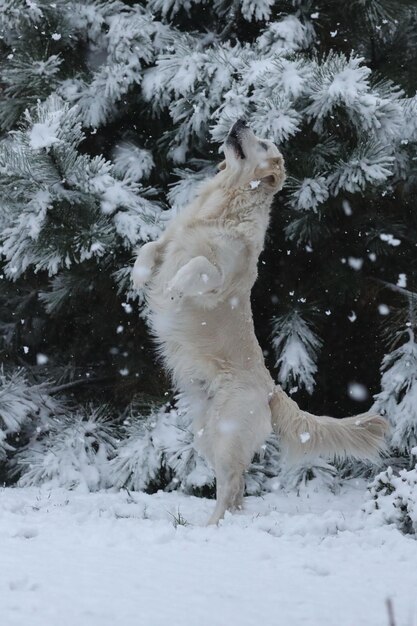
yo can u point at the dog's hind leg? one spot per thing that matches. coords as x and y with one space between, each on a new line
229 489
238 501
237 425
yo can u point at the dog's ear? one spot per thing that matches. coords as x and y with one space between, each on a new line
222 166
272 173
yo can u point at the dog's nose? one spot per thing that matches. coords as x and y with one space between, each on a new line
239 125
235 136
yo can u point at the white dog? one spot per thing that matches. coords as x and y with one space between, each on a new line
200 274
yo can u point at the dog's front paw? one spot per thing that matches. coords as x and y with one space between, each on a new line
140 276
174 291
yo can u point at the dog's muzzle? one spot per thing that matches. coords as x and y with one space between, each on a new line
234 138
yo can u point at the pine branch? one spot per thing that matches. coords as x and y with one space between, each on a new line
230 23
78 383
401 290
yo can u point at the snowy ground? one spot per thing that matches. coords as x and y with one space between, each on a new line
106 559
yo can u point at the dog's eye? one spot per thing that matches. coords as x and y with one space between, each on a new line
263 145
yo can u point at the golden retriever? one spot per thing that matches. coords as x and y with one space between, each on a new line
198 278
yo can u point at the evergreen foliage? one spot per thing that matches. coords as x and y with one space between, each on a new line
159 452
296 346
393 498
398 398
73 452
24 408
112 112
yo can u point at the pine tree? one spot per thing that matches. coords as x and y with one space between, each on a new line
398 398
71 219
111 113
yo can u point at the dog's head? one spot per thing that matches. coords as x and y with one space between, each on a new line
252 162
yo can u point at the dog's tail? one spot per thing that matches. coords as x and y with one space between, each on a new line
302 434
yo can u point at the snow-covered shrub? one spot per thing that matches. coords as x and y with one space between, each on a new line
398 398
158 453
23 407
74 452
264 469
16 405
139 464
393 498
295 476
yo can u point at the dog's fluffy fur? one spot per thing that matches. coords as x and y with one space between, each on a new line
199 276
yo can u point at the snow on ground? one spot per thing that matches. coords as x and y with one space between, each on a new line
108 559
